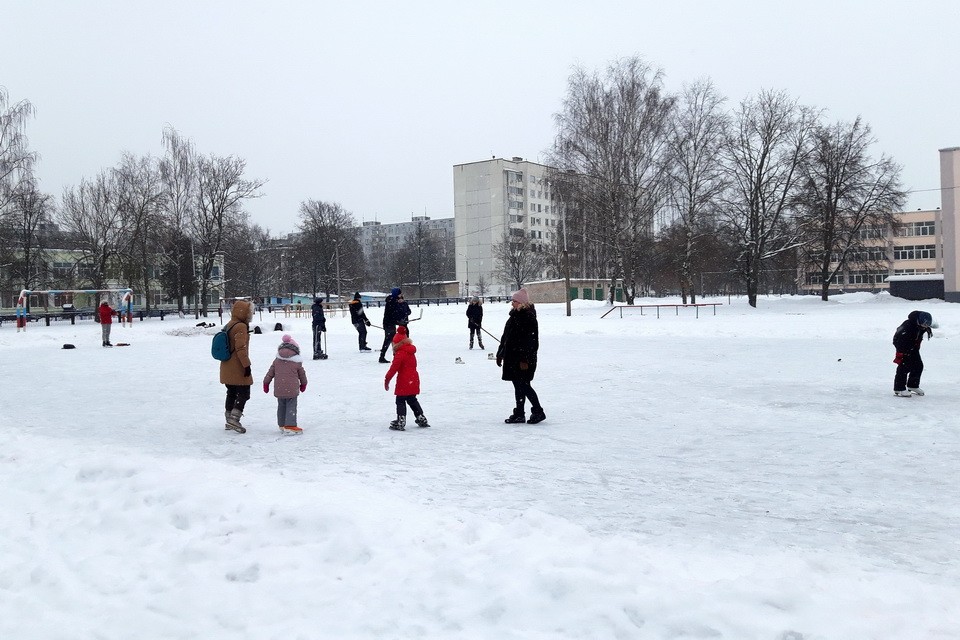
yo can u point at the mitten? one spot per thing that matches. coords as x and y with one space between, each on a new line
247 372
303 387
524 366
266 388
898 359
386 385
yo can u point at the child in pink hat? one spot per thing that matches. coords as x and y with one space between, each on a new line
291 380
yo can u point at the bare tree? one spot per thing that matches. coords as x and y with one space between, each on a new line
29 211
178 173
421 259
764 152
612 133
518 258
140 196
251 260
16 159
847 197
91 213
327 252
221 190
697 178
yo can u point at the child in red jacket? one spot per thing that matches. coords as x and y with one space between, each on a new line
404 365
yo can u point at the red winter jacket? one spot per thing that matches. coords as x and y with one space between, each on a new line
105 313
404 365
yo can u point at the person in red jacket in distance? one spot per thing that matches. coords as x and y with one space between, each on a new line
404 366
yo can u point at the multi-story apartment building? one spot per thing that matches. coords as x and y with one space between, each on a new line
380 242
914 246
493 198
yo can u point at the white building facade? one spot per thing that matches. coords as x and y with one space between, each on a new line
491 198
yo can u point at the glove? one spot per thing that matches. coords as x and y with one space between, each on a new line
303 387
898 359
366 322
247 372
929 333
386 385
524 366
266 388
499 361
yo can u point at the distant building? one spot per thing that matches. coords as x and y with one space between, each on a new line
380 242
491 197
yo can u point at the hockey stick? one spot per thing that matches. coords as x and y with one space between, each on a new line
417 318
489 334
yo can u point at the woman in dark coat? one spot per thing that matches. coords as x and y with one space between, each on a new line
475 320
518 356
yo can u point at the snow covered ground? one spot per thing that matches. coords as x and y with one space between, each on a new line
747 475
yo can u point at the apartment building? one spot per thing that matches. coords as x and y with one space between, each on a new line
493 198
913 247
380 242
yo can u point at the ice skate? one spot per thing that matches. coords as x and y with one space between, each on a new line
399 424
903 394
917 391
291 430
422 421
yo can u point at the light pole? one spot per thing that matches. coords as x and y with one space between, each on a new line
566 255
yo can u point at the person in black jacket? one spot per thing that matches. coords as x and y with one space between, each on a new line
396 311
518 356
319 326
475 320
359 320
907 339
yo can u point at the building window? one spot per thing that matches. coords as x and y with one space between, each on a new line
928 228
918 252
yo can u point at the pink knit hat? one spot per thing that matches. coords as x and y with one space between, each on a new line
522 297
289 339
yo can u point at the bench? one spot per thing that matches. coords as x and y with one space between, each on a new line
676 307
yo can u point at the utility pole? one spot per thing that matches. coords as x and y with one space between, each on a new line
566 255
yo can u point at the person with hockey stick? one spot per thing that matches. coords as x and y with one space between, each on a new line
235 373
408 381
907 339
517 355
396 312
475 320
359 319
290 380
319 326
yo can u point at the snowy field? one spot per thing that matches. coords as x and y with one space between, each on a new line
748 475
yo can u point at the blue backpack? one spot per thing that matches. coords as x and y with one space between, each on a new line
220 347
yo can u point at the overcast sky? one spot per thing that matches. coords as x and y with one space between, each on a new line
370 104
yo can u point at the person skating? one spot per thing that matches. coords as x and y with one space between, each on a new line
105 318
408 381
290 380
359 319
517 355
396 311
907 339
475 320
235 373
319 327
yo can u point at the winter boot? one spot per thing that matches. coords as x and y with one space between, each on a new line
383 360
480 342
422 421
903 394
399 424
471 343
917 391
536 415
233 421
516 418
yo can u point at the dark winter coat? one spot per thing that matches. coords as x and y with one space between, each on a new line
287 373
404 366
474 316
105 313
318 319
233 371
357 314
909 335
519 343
395 312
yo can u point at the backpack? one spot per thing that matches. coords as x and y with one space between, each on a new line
220 347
